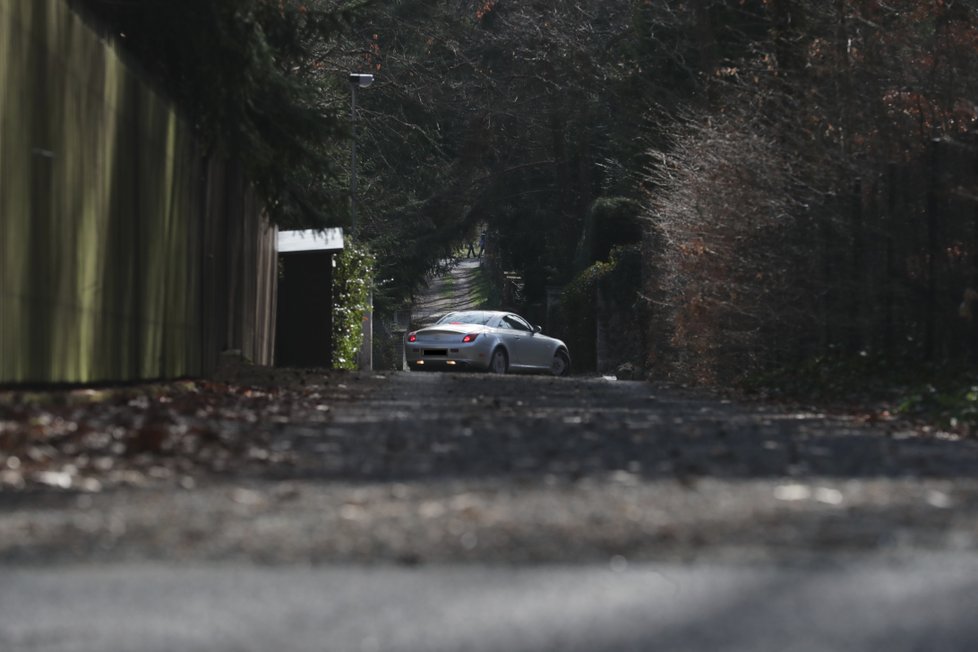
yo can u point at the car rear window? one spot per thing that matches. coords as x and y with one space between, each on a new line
473 317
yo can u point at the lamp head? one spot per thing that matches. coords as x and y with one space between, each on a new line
360 79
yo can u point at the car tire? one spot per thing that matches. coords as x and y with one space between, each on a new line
560 366
499 362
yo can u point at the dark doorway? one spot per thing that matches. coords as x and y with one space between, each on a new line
304 329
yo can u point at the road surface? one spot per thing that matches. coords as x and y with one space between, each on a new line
929 605
468 512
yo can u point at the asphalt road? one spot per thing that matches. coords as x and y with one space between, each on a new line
928 605
430 512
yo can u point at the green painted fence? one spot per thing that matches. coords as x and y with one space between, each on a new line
125 253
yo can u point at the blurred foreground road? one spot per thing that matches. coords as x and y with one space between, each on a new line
929 605
429 512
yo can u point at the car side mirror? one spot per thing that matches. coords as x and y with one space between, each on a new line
537 329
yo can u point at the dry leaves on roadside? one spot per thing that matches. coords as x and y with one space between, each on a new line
88 440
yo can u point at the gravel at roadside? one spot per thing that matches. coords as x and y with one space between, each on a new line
431 468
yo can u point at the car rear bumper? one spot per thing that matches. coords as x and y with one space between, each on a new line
445 359
442 365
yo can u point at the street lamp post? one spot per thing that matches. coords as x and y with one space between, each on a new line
366 356
357 80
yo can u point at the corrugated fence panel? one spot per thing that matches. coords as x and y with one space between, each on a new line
14 188
266 292
123 254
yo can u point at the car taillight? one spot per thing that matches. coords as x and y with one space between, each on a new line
412 337
469 338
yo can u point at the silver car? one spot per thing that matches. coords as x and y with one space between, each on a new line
485 340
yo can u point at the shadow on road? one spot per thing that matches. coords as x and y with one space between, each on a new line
438 426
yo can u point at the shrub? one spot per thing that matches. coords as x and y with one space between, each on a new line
353 285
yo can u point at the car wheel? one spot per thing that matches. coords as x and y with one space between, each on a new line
499 363
560 365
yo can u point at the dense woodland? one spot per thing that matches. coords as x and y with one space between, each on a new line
739 186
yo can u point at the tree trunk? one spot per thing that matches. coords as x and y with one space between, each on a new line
933 251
